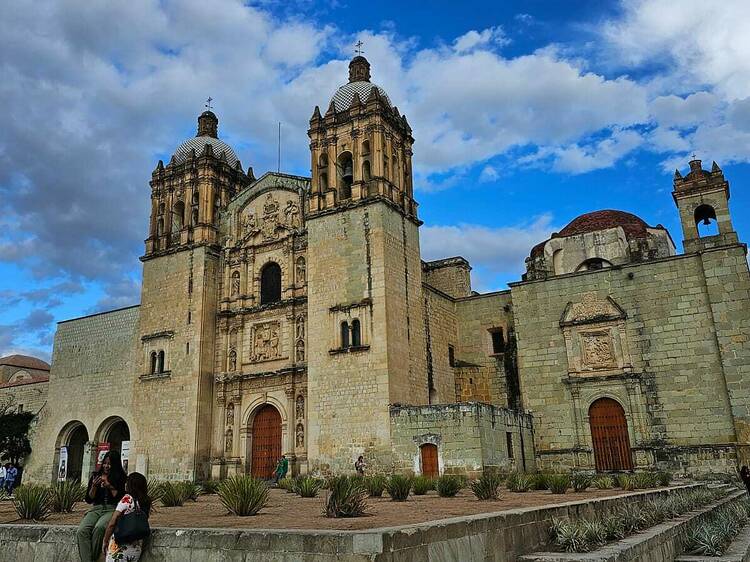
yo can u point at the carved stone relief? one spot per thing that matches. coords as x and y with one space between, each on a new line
300 407
229 441
230 414
232 361
300 351
300 327
266 341
270 218
235 283
301 271
291 211
300 435
596 349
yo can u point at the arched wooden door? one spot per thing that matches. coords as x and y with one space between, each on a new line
429 455
266 444
609 433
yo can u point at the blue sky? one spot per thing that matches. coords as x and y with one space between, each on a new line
525 115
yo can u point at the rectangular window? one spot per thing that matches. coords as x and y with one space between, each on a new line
20 408
190 317
509 443
451 356
498 343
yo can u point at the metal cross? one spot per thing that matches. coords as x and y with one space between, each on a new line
208 102
693 155
358 50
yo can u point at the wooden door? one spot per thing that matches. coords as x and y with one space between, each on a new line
266 442
429 460
609 433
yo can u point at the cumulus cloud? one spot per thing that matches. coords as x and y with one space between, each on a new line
492 36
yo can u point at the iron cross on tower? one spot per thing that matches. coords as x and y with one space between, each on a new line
208 103
358 46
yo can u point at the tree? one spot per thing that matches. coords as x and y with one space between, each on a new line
14 435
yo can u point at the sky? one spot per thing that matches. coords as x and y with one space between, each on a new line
526 114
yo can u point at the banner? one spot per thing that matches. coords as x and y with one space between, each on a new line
101 450
125 455
62 470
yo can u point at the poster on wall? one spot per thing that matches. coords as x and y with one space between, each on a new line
101 450
62 469
125 455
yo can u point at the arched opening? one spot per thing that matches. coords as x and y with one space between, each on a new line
346 175
344 335
356 335
270 283
705 221
365 148
266 442
178 216
557 263
609 435
428 454
323 171
160 362
74 439
366 173
593 264
153 367
116 434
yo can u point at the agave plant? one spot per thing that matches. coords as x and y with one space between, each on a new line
664 478
518 482
209 486
626 482
580 481
308 486
449 485
346 497
604 482
173 494
399 487
66 494
155 490
539 481
243 495
487 487
558 483
376 485
33 501
422 485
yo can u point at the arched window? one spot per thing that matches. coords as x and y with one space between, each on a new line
557 263
705 221
356 333
161 209
178 214
323 181
196 197
160 227
365 148
195 216
270 283
323 160
160 362
152 370
366 174
592 264
344 335
346 175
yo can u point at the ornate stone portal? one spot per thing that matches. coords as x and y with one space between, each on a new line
266 342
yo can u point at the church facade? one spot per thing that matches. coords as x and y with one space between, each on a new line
294 315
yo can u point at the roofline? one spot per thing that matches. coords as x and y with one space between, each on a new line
99 313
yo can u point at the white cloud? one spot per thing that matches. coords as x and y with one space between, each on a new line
489 174
492 36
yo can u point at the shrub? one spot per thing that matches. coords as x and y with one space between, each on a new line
626 482
288 484
614 528
603 482
422 485
539 481
558 483
155 490
399 487
715 532
376 484
346 497
580 481
3 495
645 480
570 537
518 482
173 494
487 487
65 495
191 490
448 486
209 486
33 501
664 478
307 486
243 495
594 532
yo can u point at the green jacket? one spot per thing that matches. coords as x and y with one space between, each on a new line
282 467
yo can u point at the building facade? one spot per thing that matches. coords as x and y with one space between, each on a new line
294 315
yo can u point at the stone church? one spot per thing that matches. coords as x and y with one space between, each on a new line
294 315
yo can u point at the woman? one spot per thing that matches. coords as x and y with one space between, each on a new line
360 466
105 488
136 498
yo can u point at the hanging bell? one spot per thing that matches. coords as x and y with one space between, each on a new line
348 171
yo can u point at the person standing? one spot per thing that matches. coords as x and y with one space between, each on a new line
745 477
2 476
360 466
135 500
105 489
11 472
281 469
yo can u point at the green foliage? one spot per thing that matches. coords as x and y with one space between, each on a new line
288 484
65 495
399 487
558 483
645 480
664 478
539 481
626 482
308 486
14 435
519 482
422 485
376 485
715 532
33 501
449 485
243 495
209 486
603 482
155 490
346 497
487 487
580 481
173 494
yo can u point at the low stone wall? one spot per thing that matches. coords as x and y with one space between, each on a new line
497 537
660 543
738 551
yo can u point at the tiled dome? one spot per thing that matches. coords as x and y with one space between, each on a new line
345 94
198 143
633 226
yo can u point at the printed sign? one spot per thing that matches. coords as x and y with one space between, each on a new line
101 450
125 455
62 470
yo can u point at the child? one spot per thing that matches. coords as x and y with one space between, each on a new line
135 498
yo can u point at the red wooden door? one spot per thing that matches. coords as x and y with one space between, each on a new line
429 460
266 447
609 432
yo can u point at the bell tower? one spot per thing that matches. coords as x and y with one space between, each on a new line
702 197
366 337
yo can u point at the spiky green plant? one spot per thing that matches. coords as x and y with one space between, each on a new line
518 482
664 478
190 490
399 487
539 481
626 482
155 490
449 485
33 501
487 487
66 494
422 484
346 497
580 481
288 484
558 483
243 495
209 486
376 485
173 494
308 486
603 482
572 538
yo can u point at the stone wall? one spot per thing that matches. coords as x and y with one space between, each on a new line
451 276
469 437
90 383
27 397
663 339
